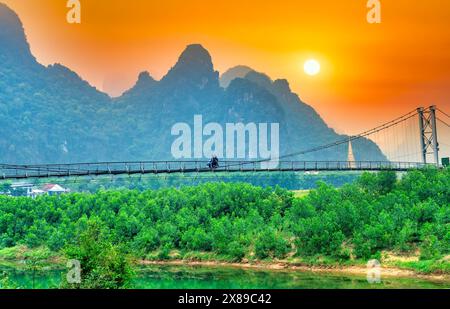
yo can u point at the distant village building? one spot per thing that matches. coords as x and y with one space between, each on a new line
36 192
30 190
21 189
54 189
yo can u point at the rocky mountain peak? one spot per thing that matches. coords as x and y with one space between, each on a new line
12 37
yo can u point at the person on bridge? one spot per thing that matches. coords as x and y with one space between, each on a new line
214 162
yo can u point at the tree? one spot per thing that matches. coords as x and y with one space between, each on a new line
5 187
146 241
271 244
196 239
235 220
380 183
103 265
386 181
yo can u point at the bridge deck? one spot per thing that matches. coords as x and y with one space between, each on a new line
9 171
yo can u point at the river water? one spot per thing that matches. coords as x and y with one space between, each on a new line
200 277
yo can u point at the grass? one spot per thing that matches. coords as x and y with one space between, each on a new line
189 256
300 193
14 253
20 253
426 267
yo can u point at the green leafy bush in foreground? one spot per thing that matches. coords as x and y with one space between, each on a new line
237 221
104 266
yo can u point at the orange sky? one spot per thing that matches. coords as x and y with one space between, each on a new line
370 73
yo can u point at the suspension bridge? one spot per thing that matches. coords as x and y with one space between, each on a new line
408 142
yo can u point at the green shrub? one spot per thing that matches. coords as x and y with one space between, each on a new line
430 248
270 244
196 239
103 265
146 241
319 235
236 251
236 221
164 252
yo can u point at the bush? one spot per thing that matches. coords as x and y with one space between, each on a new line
236 251
271 244
380 183
430 248
406 236
146 241
196 239
164 252
319 235
103 265
235 220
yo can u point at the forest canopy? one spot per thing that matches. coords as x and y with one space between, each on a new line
237 221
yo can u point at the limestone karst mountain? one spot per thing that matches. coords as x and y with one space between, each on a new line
49 114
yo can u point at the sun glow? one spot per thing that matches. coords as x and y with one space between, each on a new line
312 67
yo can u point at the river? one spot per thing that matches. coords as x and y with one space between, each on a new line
201 277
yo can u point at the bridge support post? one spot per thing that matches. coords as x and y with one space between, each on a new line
428 133
435 139
423 149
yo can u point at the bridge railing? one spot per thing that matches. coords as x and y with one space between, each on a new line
9 171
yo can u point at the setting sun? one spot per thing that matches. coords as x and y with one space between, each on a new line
312 67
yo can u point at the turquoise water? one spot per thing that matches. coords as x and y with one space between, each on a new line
183 277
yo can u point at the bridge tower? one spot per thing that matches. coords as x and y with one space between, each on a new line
428 133
350 157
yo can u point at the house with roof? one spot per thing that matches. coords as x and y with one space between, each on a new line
54 189
21 189
36 192
30 190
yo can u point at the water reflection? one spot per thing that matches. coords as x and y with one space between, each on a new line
183 277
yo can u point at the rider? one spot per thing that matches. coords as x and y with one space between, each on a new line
214 162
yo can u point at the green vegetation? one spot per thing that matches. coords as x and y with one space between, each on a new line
104 266
426 267
22 253
6 282
5 187
235 222
286 180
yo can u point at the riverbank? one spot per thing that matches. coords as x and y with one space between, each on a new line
359 270
222 277
392 265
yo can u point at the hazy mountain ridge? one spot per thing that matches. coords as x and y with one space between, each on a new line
49 114
238 71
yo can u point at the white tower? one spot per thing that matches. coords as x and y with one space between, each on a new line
351 158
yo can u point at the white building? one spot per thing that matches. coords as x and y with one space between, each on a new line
22 189
36 192
54 189
30 190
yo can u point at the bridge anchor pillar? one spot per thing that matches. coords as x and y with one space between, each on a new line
428 133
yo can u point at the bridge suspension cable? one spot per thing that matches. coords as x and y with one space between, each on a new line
440 110
379 128
443 122
401 125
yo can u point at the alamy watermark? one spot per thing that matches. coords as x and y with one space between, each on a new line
74 274
374 271
236 141
74 14
374 14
